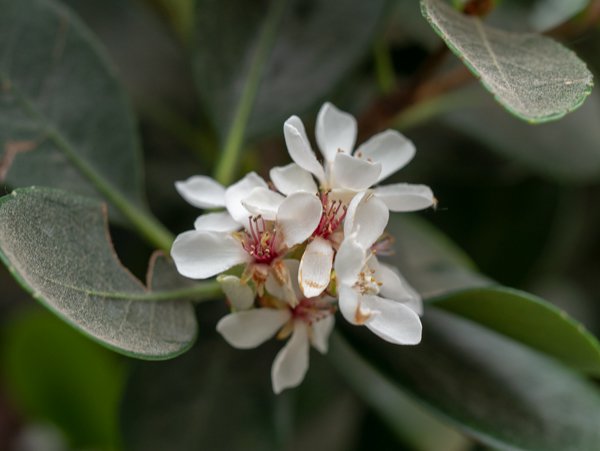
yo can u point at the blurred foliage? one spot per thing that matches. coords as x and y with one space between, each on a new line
56 375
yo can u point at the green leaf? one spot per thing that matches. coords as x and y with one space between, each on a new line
303 59
63 115
493 389
54 374
218 397
532 76
57 246
441 274
65 121
529 320
547 149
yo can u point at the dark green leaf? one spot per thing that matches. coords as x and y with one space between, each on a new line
317 44
64 119
532 76
56 375
529 320
444 278
57 246
497 391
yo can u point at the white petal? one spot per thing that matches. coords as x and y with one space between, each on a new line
216 222
335 131
314 274
366 219
282 281
320 333
390 148
395 287
250 328
350 304
200 255
292 178
299 147
291 363
349 261
238 191
202 192
298 217
405 197
239 293
264 202
353 173
394 322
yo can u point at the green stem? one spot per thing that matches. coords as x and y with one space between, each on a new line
200 292
151 229
384 68
227 164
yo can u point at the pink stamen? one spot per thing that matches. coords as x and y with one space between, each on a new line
260 241
333 215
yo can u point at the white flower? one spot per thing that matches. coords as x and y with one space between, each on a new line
344 172
371 293
272 225
310 322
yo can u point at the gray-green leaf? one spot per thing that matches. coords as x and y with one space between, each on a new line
65 121
57 246
532 76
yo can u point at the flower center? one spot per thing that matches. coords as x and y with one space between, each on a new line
312 310
367 283
260 240
334 212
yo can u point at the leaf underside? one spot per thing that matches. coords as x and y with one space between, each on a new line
532 76
57 246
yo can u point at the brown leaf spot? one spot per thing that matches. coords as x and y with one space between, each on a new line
11 149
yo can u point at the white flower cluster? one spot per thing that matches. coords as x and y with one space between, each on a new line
308 242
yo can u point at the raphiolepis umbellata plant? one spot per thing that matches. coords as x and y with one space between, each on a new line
312 164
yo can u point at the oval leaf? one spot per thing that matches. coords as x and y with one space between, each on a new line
493 389
65 121
56 245
532 76
442 275
529 320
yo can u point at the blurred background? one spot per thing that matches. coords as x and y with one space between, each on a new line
521 200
